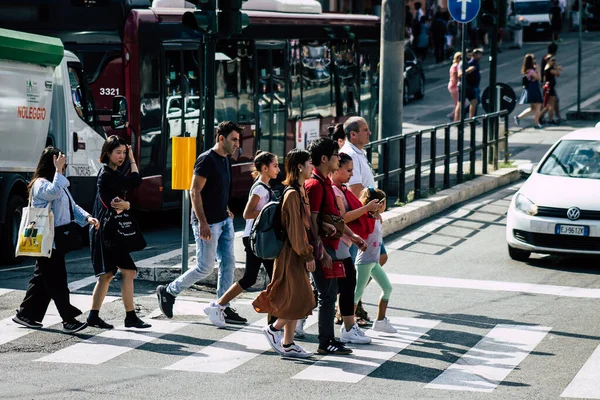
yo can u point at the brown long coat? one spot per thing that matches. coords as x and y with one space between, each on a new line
290 295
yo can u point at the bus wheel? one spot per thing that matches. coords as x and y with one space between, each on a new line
10 229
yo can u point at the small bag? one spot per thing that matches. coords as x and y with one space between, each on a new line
120 231
36 233
67 237
337 270
336 220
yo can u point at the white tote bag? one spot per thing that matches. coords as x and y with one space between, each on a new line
36 233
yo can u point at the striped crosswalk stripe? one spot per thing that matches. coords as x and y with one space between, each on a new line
367 358
5 291
586 384
230 352
479 370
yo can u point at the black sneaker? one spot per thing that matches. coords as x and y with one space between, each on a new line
26 322
99 323
165 301
232 317
74 326
334 347
136 323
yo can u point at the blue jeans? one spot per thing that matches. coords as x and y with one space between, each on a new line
219 246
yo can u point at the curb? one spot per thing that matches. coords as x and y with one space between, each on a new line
587 115
166 267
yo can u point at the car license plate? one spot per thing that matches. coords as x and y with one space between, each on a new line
572 230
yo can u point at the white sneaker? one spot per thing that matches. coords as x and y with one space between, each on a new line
274 339
384 326
299 332
295 351
215 314
356 335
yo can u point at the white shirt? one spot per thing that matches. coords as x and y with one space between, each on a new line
362 173
265 197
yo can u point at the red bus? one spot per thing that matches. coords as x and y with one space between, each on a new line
285 79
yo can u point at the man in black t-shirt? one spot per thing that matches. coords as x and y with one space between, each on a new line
555 21
212 222
473 79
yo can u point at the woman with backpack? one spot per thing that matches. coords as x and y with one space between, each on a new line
354 214
49 281
289 296
266 168
112 186
533 92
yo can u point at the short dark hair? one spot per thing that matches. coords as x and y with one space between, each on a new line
337 132
552 48
111 143
321 147
226 127
417 5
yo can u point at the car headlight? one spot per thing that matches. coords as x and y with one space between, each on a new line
525 205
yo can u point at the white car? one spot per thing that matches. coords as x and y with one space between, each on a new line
557 210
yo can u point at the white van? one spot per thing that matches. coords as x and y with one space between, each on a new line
533 16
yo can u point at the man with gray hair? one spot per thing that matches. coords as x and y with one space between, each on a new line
357 135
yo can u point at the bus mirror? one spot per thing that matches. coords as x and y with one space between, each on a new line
119 117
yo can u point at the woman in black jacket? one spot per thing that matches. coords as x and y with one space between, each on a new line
112 190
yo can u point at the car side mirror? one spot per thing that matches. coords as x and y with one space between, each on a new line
120 115
526 169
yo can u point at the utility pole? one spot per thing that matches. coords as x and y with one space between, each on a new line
391 77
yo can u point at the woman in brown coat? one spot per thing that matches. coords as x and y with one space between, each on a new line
289 296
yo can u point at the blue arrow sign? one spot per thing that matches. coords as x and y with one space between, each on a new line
464 10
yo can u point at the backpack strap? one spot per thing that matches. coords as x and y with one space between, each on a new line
258 182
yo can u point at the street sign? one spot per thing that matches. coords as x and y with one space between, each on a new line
464 10
508 98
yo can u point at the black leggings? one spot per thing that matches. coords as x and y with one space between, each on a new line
253 266
346 287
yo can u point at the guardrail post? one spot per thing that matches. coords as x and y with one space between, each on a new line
484 150
432 154
496 140
506 139
418 158
447 157
473 152
402 175
460 144
386 164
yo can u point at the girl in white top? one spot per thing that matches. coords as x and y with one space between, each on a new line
266 167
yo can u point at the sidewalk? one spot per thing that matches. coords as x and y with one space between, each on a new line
528 144
590 110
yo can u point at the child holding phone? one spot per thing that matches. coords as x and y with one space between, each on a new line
367 262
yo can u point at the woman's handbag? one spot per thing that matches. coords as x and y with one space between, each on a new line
337 270
68 237
121 232
36 233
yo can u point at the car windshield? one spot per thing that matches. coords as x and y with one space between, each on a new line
575 159
532 7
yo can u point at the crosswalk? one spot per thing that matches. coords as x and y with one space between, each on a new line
482 368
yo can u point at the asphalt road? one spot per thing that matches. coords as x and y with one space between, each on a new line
473 324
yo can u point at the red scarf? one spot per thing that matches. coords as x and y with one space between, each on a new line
364 225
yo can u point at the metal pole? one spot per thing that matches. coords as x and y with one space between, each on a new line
463 89
494 104
391 81
579 57
185 230
210 73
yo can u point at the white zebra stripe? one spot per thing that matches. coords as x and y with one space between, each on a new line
586 384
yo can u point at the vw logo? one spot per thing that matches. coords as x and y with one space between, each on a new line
573 213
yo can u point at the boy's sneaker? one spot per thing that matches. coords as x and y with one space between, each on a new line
334 347
299 332
295 351
74 326
274 338
26 322
356 335
216 315
165 301
384 326
232 317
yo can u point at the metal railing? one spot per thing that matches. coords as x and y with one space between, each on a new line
487 144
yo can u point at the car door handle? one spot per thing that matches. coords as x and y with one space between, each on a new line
75 141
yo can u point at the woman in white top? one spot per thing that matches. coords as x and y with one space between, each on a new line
266 167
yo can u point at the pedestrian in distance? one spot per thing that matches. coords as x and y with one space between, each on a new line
472 80
49 281
551 72
289 296
438 34
212 222
532 94
422 38
453 82
112 187
323 207
354 214
266 168
555 14
367 262
464 105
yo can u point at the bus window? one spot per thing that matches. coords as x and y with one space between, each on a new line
234 99
82 100
150 114
193 103
295 106
346 68
317 95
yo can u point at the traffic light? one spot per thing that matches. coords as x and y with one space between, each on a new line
204 19
231 19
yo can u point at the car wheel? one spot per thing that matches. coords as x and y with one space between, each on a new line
406 96
421 92
518 254
10 228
